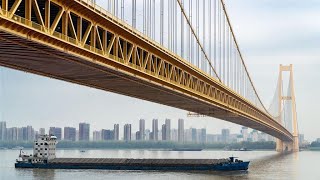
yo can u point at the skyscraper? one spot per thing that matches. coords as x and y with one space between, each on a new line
203 135
42 131
168 129
116 132
97 136
174 135
30 133
107 135
194 135
163 129
3 130
155 130
138 135
141 129
12 134
127 132
84 132
56 131
70 133
244 133
181 130
225 135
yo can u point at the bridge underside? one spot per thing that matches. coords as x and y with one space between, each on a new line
22 54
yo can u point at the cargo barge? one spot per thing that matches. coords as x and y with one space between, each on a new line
44 157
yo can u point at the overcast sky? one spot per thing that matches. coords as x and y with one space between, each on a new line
270 32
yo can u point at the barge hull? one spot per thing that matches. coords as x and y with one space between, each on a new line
139 164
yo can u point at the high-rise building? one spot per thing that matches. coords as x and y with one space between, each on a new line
181 130
107 135
12 134
77 135
141 130
188 135
36 135
147 134
168 129
42 131
127 132
70 133
203 135
301 139
20 134
244 133
138 135
194 135
56 131
213 138
30 133
116 132
254 136
25 133
164 133
97 136
3 131
225 135
155 130
174 135
84 132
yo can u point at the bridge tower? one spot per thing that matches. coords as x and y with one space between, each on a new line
282 146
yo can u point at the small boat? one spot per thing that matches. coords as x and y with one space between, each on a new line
82 151
242 149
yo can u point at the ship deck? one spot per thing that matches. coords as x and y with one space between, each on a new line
133 162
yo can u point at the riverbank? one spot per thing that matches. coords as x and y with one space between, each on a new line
145 145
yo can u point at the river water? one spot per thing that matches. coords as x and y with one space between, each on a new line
264 165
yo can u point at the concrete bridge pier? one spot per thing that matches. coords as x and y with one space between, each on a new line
283 146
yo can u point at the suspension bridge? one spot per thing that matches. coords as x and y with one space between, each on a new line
180 53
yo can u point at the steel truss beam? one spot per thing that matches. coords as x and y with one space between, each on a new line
108 42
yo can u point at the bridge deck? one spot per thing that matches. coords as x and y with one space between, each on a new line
22 54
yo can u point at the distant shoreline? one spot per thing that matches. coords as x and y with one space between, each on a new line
159 145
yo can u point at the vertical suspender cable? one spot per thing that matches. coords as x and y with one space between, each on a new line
204 35
154 19
191 36
215 34
182 32
161 21
197 29
169 24
224 47
134 13
220 49
176 26
122 9
210 29
144 17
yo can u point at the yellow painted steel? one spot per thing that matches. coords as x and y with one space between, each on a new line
109 42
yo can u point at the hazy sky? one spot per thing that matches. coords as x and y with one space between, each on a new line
270 32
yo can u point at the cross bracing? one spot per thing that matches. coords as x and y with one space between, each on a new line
165 52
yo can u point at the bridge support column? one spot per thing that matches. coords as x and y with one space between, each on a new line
282 146
293 146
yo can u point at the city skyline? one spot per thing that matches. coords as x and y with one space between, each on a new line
191 135
261 59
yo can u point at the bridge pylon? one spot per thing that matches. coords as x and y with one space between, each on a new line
282 146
